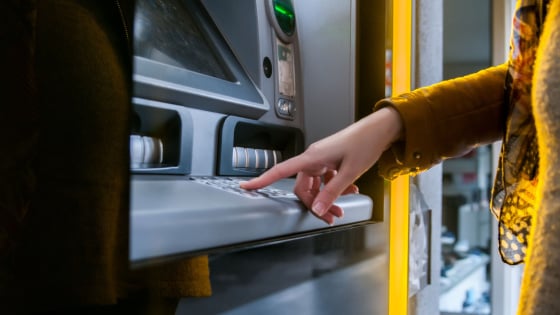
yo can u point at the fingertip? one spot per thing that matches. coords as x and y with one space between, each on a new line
245 184
251 184
319 208
337 211
323 203
328 218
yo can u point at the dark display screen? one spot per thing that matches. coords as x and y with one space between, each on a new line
165 31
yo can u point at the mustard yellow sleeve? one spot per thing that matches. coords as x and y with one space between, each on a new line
445 120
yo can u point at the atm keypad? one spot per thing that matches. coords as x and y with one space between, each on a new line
231 184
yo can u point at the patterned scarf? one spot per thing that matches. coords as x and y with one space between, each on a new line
513 195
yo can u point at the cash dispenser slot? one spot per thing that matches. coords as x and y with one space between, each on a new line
248 147
160 141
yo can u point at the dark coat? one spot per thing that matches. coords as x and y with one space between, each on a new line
64 162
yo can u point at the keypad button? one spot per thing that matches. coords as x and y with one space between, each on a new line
231 184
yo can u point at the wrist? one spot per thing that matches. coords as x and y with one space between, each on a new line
388 123
395 128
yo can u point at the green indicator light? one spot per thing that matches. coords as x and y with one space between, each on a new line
281 10
284 12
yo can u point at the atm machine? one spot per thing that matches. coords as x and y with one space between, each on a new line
224 90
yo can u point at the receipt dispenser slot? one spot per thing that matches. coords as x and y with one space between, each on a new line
250 147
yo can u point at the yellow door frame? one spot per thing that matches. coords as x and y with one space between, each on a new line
399 188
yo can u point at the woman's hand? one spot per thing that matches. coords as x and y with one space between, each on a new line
336 161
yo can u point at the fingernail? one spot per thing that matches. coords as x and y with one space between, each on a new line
318 208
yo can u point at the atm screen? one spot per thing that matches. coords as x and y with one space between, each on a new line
166 32
180 57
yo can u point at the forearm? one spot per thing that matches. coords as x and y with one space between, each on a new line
446 120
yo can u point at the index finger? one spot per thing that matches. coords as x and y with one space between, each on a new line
282 170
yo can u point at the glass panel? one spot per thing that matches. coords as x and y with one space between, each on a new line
165 31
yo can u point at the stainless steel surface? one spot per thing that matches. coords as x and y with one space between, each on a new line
302 277
355 290
171 216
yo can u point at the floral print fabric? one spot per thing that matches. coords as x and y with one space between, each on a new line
513 198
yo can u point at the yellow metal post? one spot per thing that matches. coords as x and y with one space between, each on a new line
399 200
